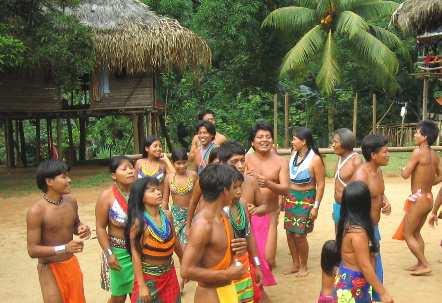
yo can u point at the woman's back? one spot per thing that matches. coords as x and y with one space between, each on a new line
352 235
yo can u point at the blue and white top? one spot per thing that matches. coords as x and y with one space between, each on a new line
300 172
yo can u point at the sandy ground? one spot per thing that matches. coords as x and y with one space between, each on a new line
19 281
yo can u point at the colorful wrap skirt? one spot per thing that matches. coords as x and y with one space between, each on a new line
244 286
117 282
351 286
326 299
227 294
179 222
298 205
162 282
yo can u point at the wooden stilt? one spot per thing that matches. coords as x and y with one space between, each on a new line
355 114
83 130
17 144
149 123
141 130
37 140
136 133
72 154
425 99
59 138
49 133
21 132
9 135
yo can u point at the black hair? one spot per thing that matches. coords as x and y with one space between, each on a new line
206 112
116 161
305 133
229 149
237 176
214 179
179 154
428 129
49 169
329 257
213 155
260 126
355 212
136 209
372 144
149 141
208 126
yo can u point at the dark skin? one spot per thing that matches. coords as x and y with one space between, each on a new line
206 247
50 225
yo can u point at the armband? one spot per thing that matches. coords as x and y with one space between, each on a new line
60 249
316 205
256 261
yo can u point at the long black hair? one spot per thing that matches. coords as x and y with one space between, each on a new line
305 133
329 257
136 209
355 211
149 141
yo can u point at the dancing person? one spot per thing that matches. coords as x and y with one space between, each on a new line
51 222
423 168
206 134
301 206
356 244
152 243
117 273
329 264
343 143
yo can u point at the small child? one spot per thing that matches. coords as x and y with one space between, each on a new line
329 264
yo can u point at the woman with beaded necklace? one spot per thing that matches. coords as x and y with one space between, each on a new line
154 162
179 186
152 243
111 218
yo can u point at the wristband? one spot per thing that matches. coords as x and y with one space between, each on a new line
316 205
108 252
60 249
256 261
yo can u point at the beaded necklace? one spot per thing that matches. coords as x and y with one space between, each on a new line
52 201
181 189
160 233
238 220
145 167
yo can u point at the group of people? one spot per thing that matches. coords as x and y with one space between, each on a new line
221 218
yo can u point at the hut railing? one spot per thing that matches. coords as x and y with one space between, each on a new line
398 134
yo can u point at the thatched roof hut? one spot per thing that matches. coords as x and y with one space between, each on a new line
418 16
129 36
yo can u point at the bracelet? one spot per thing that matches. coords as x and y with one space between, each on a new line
256 261
108 252
316 205
60 249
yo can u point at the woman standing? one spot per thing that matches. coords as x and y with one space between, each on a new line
306 188
111 219
152 243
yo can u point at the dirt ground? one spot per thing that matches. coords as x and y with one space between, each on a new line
18 275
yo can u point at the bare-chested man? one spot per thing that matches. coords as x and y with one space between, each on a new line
423 167
219 139
208 258
375 152
343 143
51 223
206 133
271 173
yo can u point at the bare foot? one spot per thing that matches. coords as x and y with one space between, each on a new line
303 272
421 271
293 270
413 267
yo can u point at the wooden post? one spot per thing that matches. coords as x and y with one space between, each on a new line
24 159
72 154
37 140
149 123
49 132
355 114
286 120
373 123
59 138
425 99
275 120
136 133
17 143
9 135
141 130
83 130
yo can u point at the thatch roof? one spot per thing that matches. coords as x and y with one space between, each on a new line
418 16
129 36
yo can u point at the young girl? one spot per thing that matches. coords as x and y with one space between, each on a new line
111 218
154 162
179 185
356 247
152 243
329 263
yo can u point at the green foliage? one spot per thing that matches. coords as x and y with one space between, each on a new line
11 52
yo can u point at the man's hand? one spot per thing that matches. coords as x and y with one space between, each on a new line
113 263
144 295
260 179
258 276
256 210
75 246
432 220
314 214
234 272
386 207
239 245
84 232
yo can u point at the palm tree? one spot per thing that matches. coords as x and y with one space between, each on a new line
322 22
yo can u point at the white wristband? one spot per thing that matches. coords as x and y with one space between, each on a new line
317 203
108 252
60 249
256 261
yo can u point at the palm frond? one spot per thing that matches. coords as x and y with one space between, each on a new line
345 5
304 50
350 23
328 76
375 8
306 3
389 39
325 6
291 19
374 51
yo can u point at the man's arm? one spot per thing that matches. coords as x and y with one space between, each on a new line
433 215
283 176
80 229
193 203
166 193
408 169
193 148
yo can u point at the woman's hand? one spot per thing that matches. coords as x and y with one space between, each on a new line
144 295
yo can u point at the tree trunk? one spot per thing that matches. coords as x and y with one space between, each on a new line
49 132
286 120
72 154
275 120
83 130
373 126
330 117
425 99
37 140
164 132
59 138
9 135
24 159
355 114
136 134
